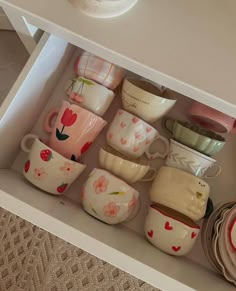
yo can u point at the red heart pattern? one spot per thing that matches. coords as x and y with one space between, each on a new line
193 234
120 113
135 149
110 135
122 124
148 141
168 226
176 249
123 141
150 233
135 119
148 129
137 135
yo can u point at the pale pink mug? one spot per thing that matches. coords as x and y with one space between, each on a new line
212 119
74 130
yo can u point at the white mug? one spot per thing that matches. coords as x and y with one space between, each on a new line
133 137
90 95
191 161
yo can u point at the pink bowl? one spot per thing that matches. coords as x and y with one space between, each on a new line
98 70
212 119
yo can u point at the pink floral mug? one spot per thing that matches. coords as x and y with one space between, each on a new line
74 131
46 169
108 198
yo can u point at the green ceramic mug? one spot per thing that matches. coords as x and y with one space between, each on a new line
189 134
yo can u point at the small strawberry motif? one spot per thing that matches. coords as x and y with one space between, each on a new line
46 155
176 249
62 188
150 233
86 147
27 166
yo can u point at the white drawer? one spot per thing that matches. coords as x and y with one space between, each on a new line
40 87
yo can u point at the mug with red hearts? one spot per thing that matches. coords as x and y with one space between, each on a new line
133 137
74 130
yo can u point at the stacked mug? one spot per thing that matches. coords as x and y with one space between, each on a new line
179 195
54 165
129 137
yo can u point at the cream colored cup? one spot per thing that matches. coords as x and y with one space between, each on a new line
108 198
191 161
89 95
129 170
133 137
180 191
170 231
46 169
144 100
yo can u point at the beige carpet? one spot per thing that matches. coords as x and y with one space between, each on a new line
32 259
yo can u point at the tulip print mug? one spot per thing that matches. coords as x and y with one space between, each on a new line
46 169
74 130
132 136
108 198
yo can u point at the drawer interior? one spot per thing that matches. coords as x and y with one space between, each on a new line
39 88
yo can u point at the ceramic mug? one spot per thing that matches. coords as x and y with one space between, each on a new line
46 169
89 95
204 141
191 161
74 130
132 136
170 231
144 100
180 191
98 70
212 119
108 198
130 171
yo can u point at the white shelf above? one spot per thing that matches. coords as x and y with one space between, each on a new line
188 46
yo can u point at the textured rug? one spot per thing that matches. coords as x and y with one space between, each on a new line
32 259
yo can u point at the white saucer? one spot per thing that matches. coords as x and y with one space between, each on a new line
104 8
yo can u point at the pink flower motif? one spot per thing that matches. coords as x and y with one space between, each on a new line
68 168
40 174
132 202
82 194
100 185
111 209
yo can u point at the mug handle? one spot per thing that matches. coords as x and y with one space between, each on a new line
155 155
150 178
168 125
25 141
48 121
217 173
233 130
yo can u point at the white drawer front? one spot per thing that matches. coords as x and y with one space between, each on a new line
40 87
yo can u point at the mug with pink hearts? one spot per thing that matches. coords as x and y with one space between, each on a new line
74 130
133 137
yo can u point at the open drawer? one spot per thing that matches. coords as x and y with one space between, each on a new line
40 87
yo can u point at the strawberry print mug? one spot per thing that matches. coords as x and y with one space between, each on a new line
108 198
133 137
46 169
74 130
170 231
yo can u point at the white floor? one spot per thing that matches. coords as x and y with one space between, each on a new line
13 57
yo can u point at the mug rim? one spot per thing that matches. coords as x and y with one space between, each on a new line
114 177
68 104
153 92
132 115
184 173
37 140
109 150
200 131
192 151
193 226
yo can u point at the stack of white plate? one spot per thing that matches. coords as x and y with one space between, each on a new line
104 8
219 240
